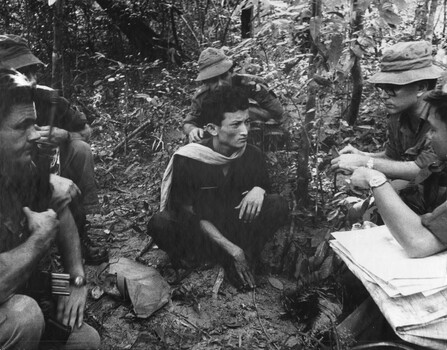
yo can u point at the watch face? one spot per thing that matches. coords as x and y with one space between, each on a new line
79 281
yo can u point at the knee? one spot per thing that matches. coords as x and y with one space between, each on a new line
84 338
79 148
23 322
158 224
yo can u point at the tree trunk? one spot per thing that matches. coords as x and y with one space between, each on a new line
356 70
246 20
420 19
57 81
431 21
302 176
140 35
444 25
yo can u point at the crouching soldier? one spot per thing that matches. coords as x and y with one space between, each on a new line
27 234
215 204
215 70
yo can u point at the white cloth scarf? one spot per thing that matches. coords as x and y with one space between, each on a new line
197 152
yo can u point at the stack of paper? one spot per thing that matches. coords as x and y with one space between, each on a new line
411 293
385 263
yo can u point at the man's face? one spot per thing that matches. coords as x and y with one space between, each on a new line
17 137
438 134
233 132
399 98
223 80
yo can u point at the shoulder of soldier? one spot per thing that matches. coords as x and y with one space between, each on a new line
200 91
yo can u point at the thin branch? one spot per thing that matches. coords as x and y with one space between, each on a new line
260 321
190 29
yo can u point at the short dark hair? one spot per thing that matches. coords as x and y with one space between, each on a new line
225 99
15 88
438 101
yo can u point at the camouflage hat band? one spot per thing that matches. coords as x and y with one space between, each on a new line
416 63
405 77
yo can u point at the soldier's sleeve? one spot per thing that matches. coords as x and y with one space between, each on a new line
267 100
52 107
426 156
191 121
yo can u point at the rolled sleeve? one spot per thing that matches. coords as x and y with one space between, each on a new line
426 156
191 121
267 100
436 222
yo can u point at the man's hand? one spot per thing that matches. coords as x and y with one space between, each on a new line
360 177
44 225
70 309
349 162
251 204
64 190
242 268
58 136
195 135
349 149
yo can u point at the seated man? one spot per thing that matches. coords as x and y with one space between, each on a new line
214 201
215 71
407 72
70 133
26 235
419 235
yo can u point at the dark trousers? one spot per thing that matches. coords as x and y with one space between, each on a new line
179 234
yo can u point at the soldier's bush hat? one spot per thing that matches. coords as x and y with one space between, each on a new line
15 52
212 63
405 63
439 93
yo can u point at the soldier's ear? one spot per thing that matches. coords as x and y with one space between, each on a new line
212 129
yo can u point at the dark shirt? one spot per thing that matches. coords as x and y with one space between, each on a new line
405 144
252 85
65 116
212 194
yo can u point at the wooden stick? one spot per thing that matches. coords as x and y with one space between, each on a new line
218 283
131 136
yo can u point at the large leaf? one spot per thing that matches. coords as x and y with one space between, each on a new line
401 4
390 17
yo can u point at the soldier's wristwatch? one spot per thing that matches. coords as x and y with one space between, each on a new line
377 181
78 281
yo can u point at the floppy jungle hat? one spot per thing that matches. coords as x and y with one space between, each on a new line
212 63
405 63
15 53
